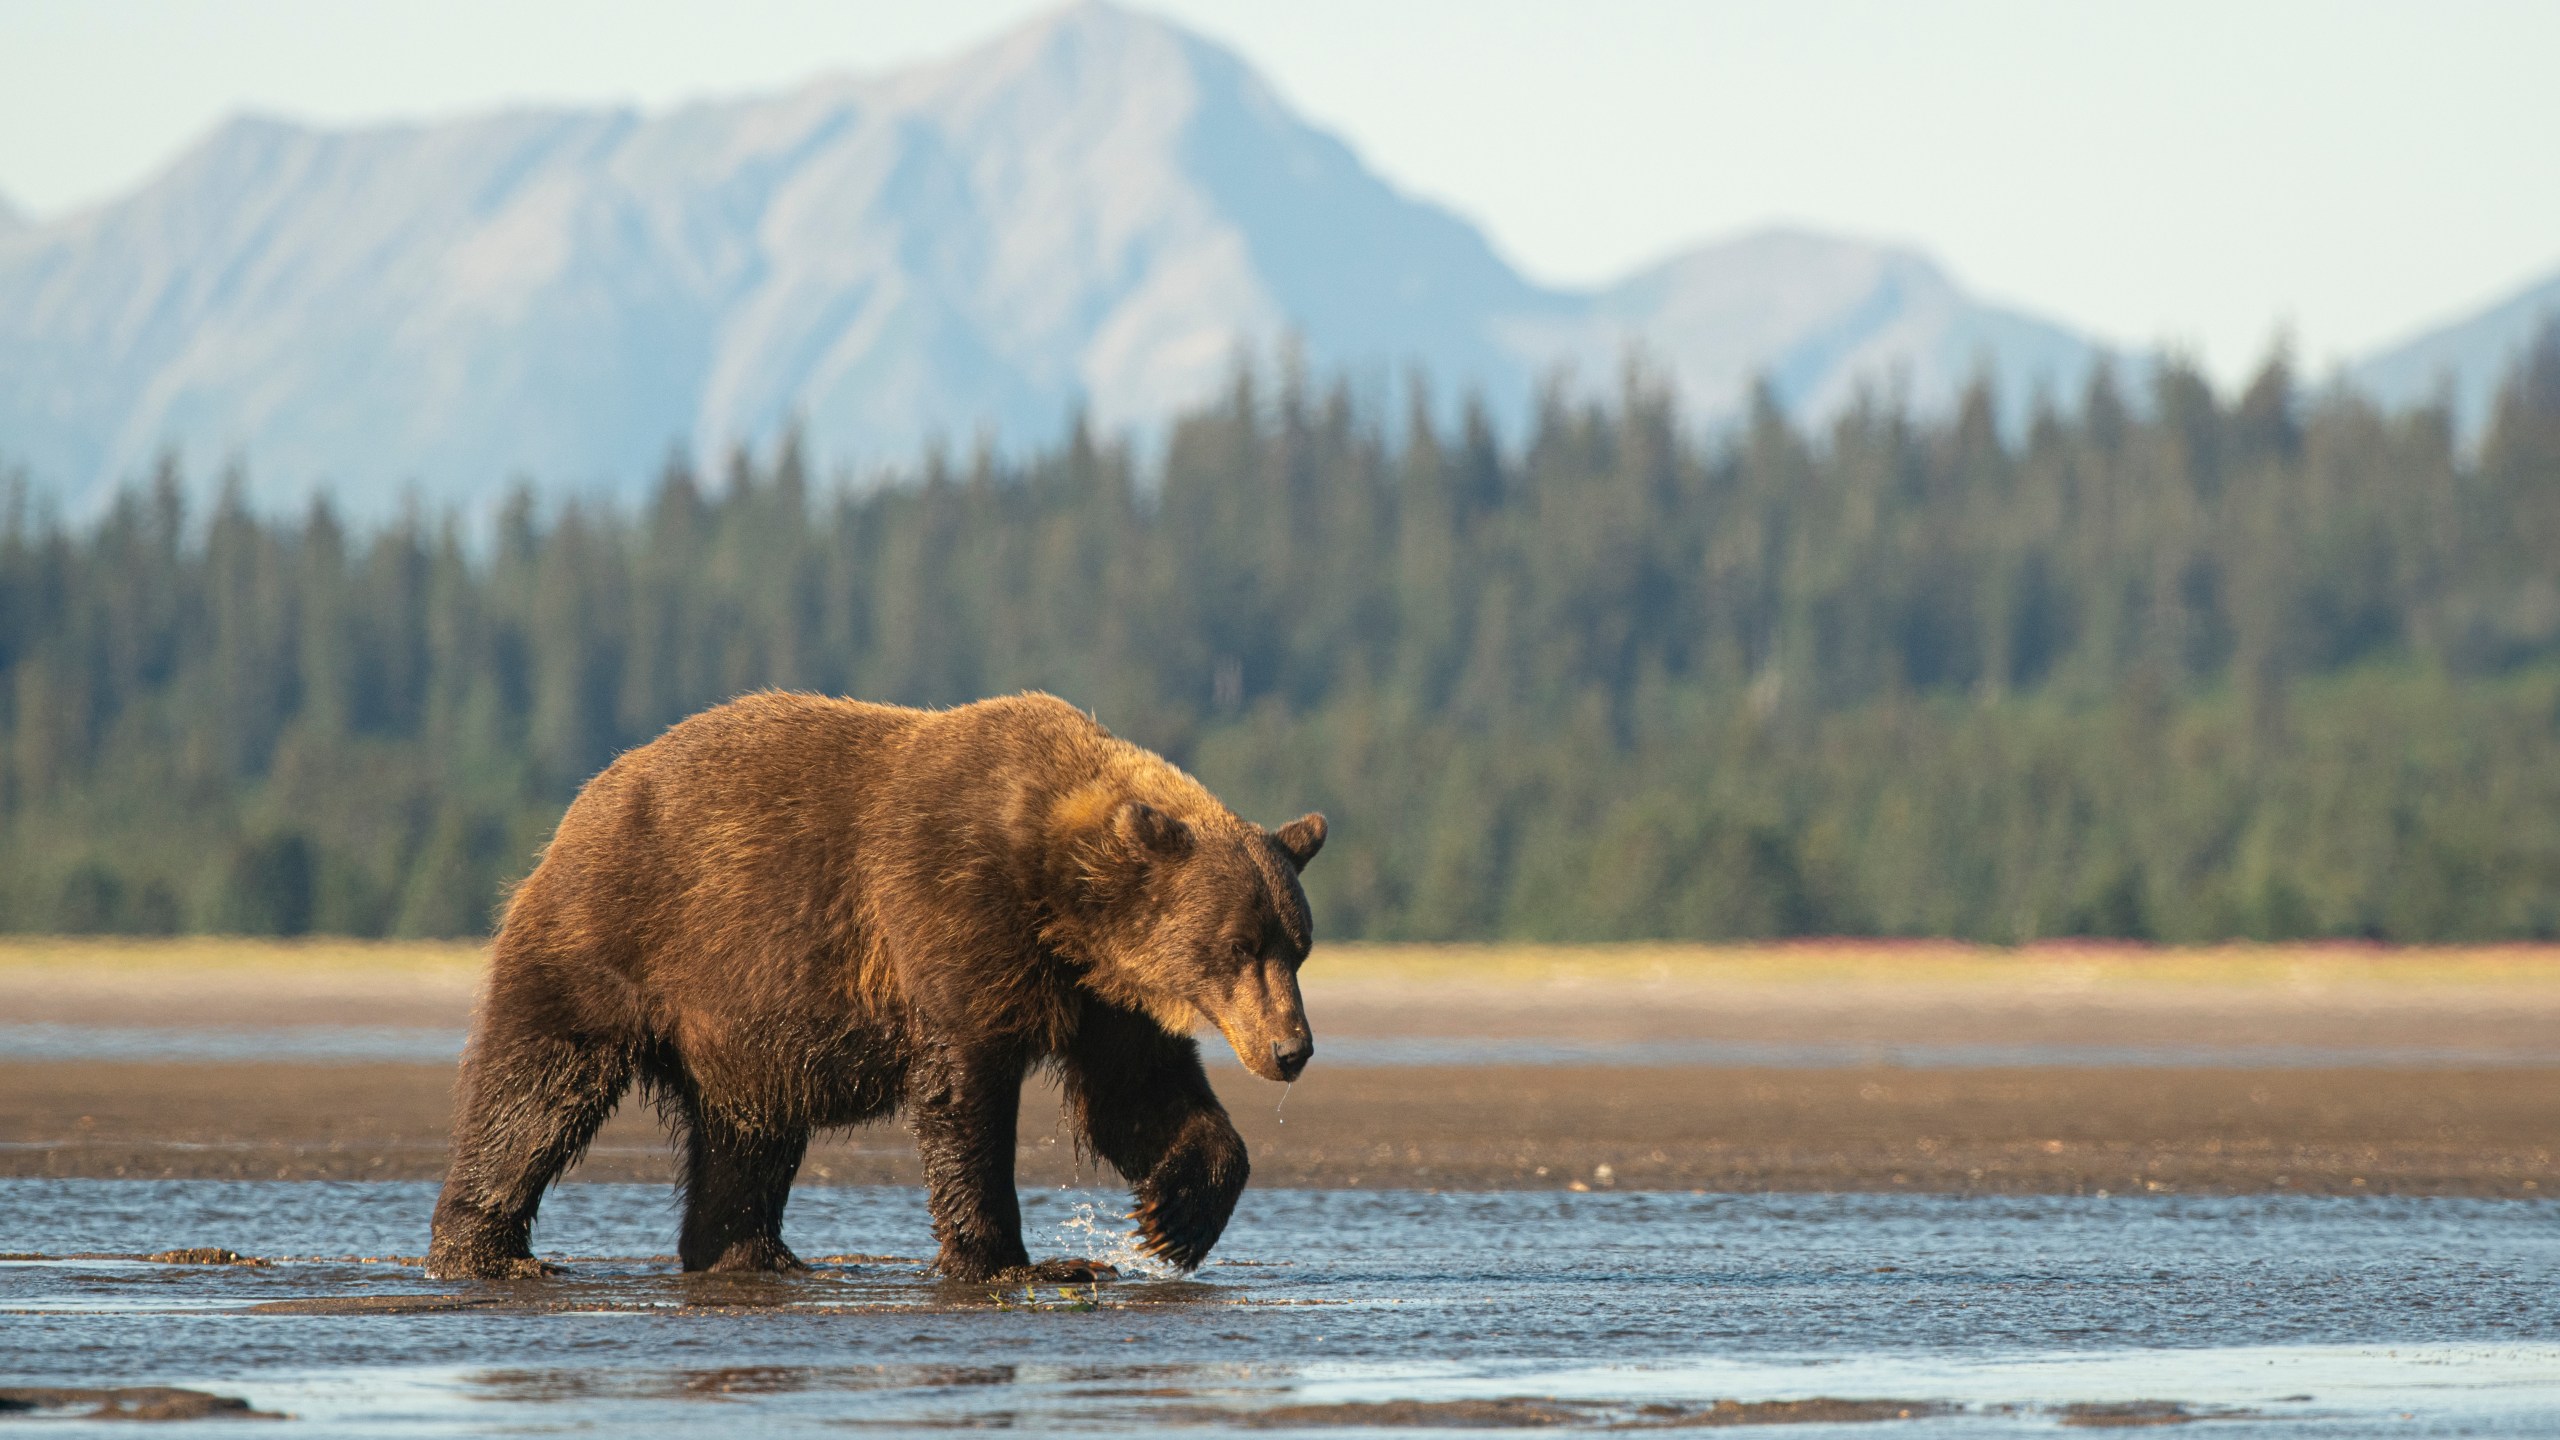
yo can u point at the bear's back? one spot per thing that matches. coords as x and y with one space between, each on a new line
782 852
758 815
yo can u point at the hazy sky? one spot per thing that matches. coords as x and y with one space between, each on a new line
2191 173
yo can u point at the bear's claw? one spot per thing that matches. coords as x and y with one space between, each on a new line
1177 1235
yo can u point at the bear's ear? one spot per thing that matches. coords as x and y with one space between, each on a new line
1301 839
1149 829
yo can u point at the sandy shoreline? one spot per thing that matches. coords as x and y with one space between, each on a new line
2500 1004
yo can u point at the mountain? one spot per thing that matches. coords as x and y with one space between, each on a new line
1098 211
1819 317
12 219
2464 362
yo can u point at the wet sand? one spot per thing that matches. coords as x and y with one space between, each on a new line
2480 1116
2075 1130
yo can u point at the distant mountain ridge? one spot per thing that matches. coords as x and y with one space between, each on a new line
1820 316
2463 363
1098 211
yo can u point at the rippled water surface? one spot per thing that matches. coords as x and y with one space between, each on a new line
1978 1315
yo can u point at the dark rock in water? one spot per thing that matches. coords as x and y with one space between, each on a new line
135 1402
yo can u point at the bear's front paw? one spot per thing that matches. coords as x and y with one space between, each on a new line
1183 1204
473 1242
490 1267
1174 1234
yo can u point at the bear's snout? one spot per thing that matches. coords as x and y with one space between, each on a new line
1292 1054
1263 1018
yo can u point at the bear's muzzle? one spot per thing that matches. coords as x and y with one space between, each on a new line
1264 1020
1292 1055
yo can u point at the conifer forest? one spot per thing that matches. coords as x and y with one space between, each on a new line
2155 663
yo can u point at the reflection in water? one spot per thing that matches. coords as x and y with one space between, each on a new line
2277 1315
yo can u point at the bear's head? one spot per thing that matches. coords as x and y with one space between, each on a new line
1203 917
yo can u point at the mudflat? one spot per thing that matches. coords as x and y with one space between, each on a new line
2273 1069
2065 1130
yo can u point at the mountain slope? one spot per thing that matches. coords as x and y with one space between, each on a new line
1096 211
1819 317
2463 362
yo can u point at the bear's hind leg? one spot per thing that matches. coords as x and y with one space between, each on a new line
737 1179
529 1104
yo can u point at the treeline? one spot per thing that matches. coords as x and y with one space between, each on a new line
2162 666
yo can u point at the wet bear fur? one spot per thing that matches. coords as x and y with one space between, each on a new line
793 913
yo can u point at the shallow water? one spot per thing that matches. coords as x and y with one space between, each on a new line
427 1045
2272 1315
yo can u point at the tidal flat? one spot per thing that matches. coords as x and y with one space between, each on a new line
1882 1189
1809 1067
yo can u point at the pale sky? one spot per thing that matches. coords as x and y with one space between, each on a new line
2195 174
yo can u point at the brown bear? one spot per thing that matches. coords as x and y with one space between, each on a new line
792 912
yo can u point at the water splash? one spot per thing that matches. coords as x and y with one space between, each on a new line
1092 1234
